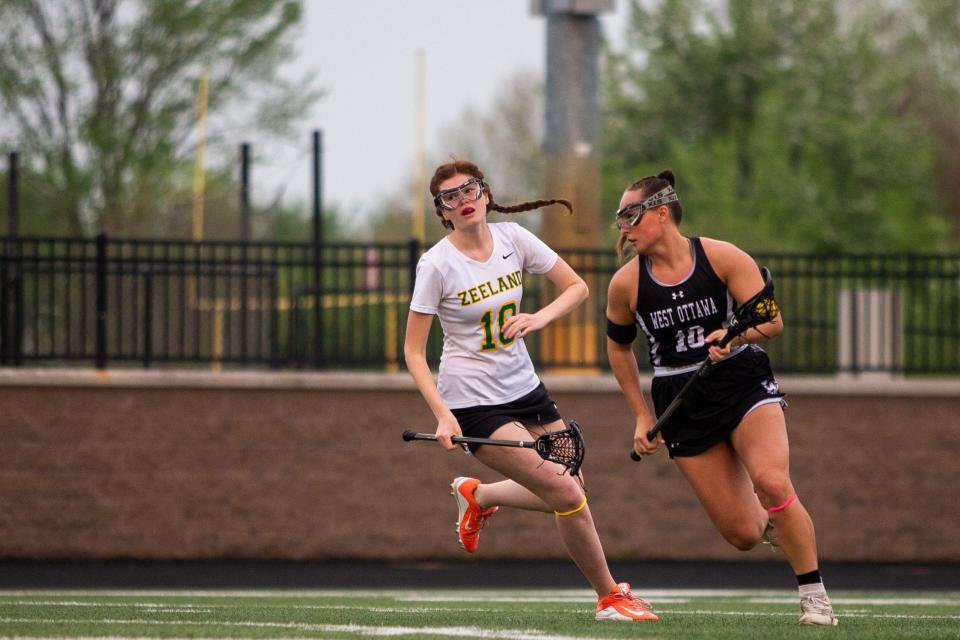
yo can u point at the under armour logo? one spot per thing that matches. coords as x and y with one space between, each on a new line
676 294
772 387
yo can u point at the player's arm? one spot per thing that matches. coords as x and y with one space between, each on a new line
740 273
623 362
573 291
415 356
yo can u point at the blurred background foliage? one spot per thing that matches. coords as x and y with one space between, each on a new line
801 125
796 125
812 125
99 97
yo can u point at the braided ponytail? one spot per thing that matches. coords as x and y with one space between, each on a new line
465 167
527 206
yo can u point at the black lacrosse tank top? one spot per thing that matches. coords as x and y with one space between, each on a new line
677 318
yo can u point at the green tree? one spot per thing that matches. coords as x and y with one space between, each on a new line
926 53
100 96
783 122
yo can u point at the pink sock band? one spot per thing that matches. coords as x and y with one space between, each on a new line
786 504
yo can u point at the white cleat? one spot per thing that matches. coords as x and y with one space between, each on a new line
815 608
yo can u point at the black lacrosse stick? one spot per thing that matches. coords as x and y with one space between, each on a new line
564 447
759 309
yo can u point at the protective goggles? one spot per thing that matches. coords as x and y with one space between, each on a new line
469 191
629 215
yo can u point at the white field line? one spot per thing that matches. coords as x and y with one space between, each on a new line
399 594
672 597
152 607
208 608
168 608
874 602
840 614
192 638
566 596
439 595
133 638
577 595
476 632
355 629
559 597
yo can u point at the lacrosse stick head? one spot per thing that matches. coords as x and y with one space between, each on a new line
759 309
564 447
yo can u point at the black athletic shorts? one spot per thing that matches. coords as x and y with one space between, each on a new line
717 402
535 408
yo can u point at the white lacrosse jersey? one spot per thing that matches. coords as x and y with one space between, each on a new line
479 366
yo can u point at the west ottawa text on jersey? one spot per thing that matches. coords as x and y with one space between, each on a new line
485 290
662 318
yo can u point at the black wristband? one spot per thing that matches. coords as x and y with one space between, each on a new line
621 333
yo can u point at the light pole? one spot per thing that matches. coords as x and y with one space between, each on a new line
570 144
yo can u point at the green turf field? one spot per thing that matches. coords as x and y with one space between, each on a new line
522 614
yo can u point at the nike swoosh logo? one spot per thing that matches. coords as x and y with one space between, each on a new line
508 255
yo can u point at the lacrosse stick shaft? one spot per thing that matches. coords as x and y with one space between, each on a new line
522 444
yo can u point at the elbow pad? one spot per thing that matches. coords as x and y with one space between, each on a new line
621 333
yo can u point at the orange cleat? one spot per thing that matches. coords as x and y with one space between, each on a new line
470 517
621 604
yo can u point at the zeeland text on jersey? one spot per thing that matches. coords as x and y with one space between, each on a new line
490 288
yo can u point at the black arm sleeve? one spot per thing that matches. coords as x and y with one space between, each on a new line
621 333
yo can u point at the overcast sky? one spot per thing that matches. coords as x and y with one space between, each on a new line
364 53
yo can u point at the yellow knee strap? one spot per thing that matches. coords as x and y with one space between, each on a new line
574 510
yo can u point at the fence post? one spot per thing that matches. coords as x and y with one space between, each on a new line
11 296
318 240
4 310
246 227
13 196
413 256
246 232
16 280
274 322
147 317
101 276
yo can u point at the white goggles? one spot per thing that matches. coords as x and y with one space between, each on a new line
629 215
469 191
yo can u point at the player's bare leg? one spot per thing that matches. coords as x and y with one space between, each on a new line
545 486
561 494
761 442
725 490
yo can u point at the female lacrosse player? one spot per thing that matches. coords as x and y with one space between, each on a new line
728 438
473 280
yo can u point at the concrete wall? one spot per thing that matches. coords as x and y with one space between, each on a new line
146 464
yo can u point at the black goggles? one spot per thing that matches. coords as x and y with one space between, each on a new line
630 214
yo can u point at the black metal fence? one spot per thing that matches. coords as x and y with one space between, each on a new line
112 302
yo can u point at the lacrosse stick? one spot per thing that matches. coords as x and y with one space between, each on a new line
759 309
563 447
